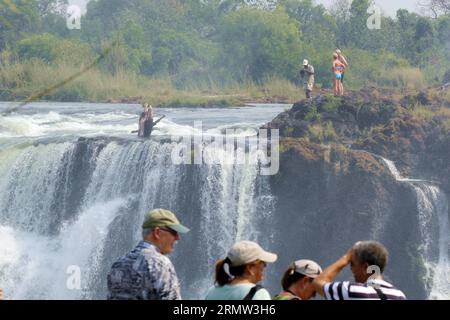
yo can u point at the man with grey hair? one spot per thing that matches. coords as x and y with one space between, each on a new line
364 258
146 273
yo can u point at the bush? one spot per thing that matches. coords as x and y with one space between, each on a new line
322 133
313 114
409 78
446 77
41 46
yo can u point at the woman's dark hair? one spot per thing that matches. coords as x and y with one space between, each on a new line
222 277
290 277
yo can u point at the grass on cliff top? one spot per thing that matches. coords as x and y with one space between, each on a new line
20 80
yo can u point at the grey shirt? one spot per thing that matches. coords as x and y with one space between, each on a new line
308 77
143 274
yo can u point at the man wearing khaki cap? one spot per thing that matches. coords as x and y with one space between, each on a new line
297 280
146 273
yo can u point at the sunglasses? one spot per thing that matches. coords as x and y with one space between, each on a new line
172 232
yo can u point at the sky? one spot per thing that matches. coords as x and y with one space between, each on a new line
390 7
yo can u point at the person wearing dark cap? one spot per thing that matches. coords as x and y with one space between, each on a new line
146 273
239 273
297 281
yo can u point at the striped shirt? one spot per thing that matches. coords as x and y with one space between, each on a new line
361 291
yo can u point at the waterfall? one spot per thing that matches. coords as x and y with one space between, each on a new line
80 204
433 211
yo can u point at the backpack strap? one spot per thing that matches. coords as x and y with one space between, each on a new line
252 292
380 294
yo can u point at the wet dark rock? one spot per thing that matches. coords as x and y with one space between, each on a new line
333 188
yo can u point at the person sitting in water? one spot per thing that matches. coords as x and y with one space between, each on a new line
143 117
146 122
297 281
148 126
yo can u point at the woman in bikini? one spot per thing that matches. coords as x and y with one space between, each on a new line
338 69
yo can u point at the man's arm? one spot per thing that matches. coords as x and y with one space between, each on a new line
344 61
156 122
310 70
331 272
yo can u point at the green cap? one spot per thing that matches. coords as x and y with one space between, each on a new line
163 218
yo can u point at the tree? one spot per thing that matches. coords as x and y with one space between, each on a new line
341 14
40 46
48 7
436 7
17 17
406 27
257 43
424 35
357 28
317 26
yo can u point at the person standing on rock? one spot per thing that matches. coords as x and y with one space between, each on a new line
342 59
307 74
146 273
338 69
367 259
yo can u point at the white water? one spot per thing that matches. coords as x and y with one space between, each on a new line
57 119
433 211
394 171
34 266
41 236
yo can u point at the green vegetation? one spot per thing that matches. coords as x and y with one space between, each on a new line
313 114
320 133
208 52
332 104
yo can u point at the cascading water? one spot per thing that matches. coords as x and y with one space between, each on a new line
433 217
76 204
